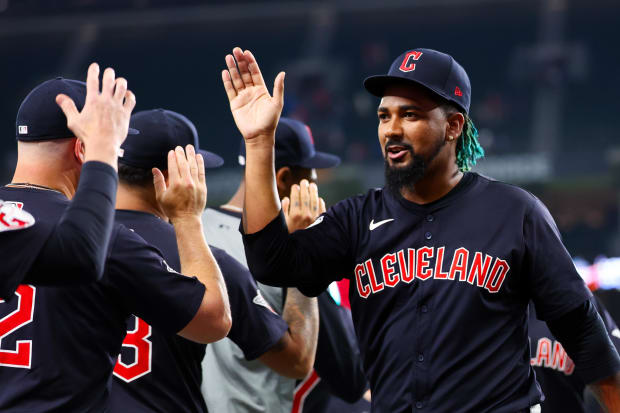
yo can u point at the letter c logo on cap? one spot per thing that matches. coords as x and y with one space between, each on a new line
408 64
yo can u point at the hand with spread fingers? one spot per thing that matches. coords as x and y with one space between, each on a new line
185 194
103 123
303 207
255 111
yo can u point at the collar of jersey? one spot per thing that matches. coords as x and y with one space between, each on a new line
461 188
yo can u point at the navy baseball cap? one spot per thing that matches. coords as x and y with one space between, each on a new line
39 118
436 71
161 131
295 147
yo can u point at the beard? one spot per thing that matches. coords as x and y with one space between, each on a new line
399 177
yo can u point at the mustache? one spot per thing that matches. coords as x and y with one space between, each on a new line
392 142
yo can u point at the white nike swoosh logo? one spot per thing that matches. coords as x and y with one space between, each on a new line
374 225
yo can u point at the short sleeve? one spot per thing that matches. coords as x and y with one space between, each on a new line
308 259
256 327
552 280
149 287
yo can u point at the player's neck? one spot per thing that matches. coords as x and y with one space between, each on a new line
134 198
432 186
236 202
63 181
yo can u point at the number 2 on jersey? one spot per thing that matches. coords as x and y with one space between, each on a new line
138 339
21 357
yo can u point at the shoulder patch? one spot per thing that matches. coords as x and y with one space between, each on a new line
260 300
14 217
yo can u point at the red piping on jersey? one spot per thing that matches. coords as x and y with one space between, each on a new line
303 390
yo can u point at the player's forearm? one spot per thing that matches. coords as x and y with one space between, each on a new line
302 315
607 392
197 260
262 203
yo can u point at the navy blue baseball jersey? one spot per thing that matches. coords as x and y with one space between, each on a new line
555 371
161 372
59 344
74 253
438 292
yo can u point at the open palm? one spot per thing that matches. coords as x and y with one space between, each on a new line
255 111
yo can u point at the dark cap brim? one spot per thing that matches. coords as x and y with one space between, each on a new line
376 85
320 160
211 160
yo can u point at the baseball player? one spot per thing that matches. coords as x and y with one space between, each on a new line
337 364
555 371
443 262
59 344
76 253
165 374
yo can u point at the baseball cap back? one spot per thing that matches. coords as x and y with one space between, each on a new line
40 118
435 71
294 146
161 130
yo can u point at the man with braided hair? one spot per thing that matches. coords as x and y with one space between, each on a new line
443 262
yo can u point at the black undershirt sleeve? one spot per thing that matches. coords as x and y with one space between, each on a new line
77 247
584 337
338 361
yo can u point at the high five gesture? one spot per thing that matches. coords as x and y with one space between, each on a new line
256 114
255 111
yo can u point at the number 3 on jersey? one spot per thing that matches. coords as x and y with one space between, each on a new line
138 340
21 356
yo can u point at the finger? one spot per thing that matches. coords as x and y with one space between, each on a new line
304 196
201 169
159 182
130 101
231 92
242 64
278 88
173 168
295 205
257 77
92 81
120 88
234 73
322 208
314 199
286 202
107 88
191 162
182 164
68 106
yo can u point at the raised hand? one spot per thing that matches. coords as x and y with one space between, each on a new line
104 120
185 196
255 111
303 207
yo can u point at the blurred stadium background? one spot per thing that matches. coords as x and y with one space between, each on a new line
545 76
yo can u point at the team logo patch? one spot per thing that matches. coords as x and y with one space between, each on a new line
22 129
409 60
13 217
458 92
259 300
